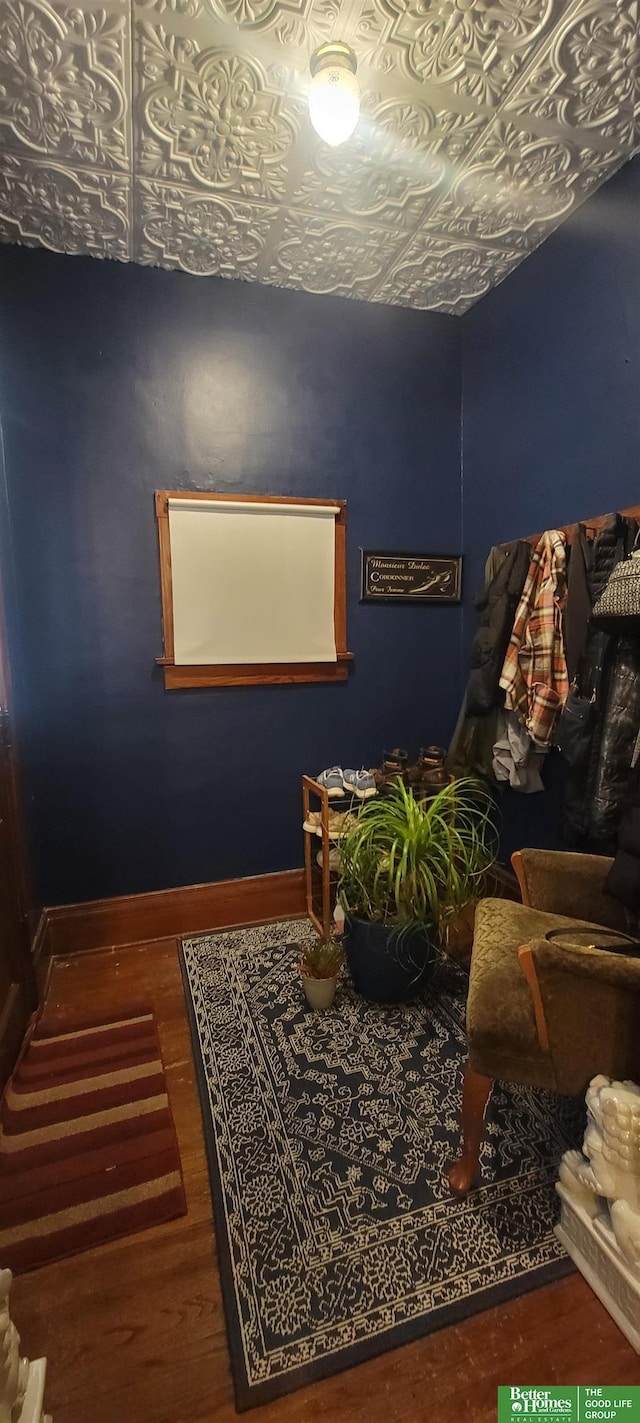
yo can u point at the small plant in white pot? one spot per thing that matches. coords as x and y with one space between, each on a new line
320 963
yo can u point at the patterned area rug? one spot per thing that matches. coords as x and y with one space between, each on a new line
88 1149
328 1137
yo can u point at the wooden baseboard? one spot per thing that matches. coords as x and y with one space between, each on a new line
190 909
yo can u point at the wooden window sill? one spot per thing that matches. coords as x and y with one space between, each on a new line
254 674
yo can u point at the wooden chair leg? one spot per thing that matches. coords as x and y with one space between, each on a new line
476 1091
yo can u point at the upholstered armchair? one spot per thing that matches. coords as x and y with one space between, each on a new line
540 1012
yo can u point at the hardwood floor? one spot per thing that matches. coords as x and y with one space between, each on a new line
134 1331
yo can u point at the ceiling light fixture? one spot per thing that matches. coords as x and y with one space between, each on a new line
334 94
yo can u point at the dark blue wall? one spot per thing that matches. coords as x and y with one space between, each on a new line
119 380
551 401
551 393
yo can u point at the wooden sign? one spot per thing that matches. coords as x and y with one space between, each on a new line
410 577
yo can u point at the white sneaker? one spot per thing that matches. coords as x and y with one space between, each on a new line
335 858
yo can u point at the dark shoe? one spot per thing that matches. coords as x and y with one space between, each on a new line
397 758
428 769
431 783
393 769
431 756
437 778
395 762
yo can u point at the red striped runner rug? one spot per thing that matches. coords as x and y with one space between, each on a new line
88 1149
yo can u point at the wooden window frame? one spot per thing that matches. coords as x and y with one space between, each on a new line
251 674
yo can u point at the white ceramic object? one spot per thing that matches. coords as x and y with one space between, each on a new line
33 1406
600 1192
319 992
14 1371
590 1242
608 1168
21 1382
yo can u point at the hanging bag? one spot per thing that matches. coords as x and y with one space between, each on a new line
617 610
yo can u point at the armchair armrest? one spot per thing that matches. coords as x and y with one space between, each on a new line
586 1003
562 882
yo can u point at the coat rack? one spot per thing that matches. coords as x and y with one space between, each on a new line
591 525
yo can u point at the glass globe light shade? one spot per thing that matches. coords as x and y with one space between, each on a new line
334 93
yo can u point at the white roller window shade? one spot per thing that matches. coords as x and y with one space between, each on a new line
252 582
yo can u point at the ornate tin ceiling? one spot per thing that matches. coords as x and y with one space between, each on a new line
175 132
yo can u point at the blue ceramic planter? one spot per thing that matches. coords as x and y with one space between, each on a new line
384 968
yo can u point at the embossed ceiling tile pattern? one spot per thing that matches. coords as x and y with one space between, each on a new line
458 133
373 177
64 81
175 132
399 160
455 224
46 204
476 46
246 13
516 183
200 233
207 117
591 76
423 275
290 18
330 257
302 24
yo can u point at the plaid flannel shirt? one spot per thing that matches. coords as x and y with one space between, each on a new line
534 677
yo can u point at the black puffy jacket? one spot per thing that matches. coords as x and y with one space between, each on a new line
608 781
496 606
623 880
591 803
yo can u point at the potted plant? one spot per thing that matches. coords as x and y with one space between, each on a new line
320 963
408 869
